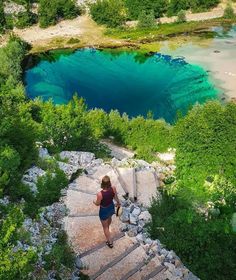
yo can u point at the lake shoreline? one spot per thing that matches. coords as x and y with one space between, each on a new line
93 36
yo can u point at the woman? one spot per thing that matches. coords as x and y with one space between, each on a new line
107 207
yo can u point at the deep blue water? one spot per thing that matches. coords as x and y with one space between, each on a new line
126 81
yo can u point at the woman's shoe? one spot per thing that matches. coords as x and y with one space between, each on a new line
109 244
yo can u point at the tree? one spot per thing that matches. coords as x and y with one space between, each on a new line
181 16
146 20
14 263
109 12
2 16
47 13
65 126
229 12
136 7
51 11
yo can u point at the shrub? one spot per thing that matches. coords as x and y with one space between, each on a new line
14 264
49 187
181 16
229 12
146 20
201 138
61 254
51 11
2 17
109 12
206 242
25 19
136 7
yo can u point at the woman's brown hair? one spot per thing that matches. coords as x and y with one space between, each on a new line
106 182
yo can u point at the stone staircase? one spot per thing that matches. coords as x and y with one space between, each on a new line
130 259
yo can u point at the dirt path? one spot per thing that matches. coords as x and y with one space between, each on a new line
83 31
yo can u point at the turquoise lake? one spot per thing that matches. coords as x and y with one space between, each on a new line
126 81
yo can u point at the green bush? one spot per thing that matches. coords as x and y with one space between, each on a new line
181 16
200 243
25 19
14 264
61 254
136 7
146 20
229 12
206 141
51 11
49 187
2 17
176 6
109 12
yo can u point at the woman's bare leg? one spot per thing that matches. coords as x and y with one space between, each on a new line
105 226
109 221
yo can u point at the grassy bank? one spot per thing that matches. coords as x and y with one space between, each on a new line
168 30
143 39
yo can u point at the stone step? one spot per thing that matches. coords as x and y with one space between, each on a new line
163 275
147 269
101 171
117 151
79 203
124 264
126 177
85 233
101 245
146 186
85 184
100 258
108 170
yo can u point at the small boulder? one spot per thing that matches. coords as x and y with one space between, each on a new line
145 216
125 215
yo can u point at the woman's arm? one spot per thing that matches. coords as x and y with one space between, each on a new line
98 200
116 196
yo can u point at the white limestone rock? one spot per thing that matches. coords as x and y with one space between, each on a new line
136 211
31 176
43 153
133 219
78 159
145 216
68 169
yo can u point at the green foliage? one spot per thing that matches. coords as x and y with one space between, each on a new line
109 12
229 12
145 136
25 19
61 254
14 264
176 6
65 127
9 163
51 11
206 143
206 241
98 121
17 129
181 16
136 7
49 187
146 20
222 194
2 17
11 57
